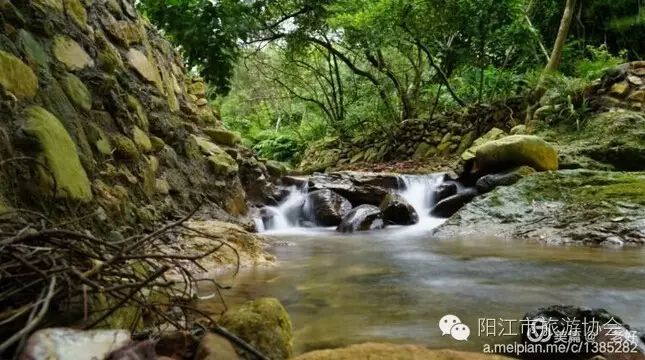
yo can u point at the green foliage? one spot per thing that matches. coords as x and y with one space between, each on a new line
599 60
281 147
208 32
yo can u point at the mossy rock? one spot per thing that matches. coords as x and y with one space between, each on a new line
197 88
264 324
32 49
275 168
608 140
46 5
76 11
58 152
71 54
222 136
493 134
125 148
135 106
77 92
143 66
97 137
157 144
126 33
141 139
516 150
560 207
17 77
220 161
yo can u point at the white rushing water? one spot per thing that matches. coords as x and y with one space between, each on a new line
287 214
417 190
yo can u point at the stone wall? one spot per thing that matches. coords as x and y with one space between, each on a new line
98 114
443 136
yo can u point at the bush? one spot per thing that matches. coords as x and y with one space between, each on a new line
280 147
599 60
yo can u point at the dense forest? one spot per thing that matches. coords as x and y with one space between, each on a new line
288 73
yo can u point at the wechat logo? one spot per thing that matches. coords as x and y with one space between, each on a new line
451 325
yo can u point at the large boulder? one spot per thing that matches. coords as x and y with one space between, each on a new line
325 207
357 187
445 190
397 211
491 135
561 207
489 182
612 140
264 324
362 218
516 150
450 205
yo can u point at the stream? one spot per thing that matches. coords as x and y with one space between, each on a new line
394 285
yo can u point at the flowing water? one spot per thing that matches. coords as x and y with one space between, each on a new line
395 284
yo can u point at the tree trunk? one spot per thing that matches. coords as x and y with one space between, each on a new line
563 32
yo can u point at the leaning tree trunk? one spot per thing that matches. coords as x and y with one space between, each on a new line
563 32
555 59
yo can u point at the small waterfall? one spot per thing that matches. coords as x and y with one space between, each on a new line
419 191
286 215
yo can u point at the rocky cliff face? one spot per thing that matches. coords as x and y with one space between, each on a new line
98 114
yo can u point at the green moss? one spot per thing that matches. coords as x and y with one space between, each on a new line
71 54
265 324
222 136
97 137
157 144
517 150
46 5
142 140
33 49
17 77
135 106
125 147
58 152
221 162
77 92
76 11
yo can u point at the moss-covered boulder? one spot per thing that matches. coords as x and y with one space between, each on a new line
71 54
516 150
125 148
222 136
58 152
76 11
567 206
77 92
493 134
220 161
612 140
141 139
16 77
263 323
144 67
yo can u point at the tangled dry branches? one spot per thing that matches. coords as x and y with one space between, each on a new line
48 268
